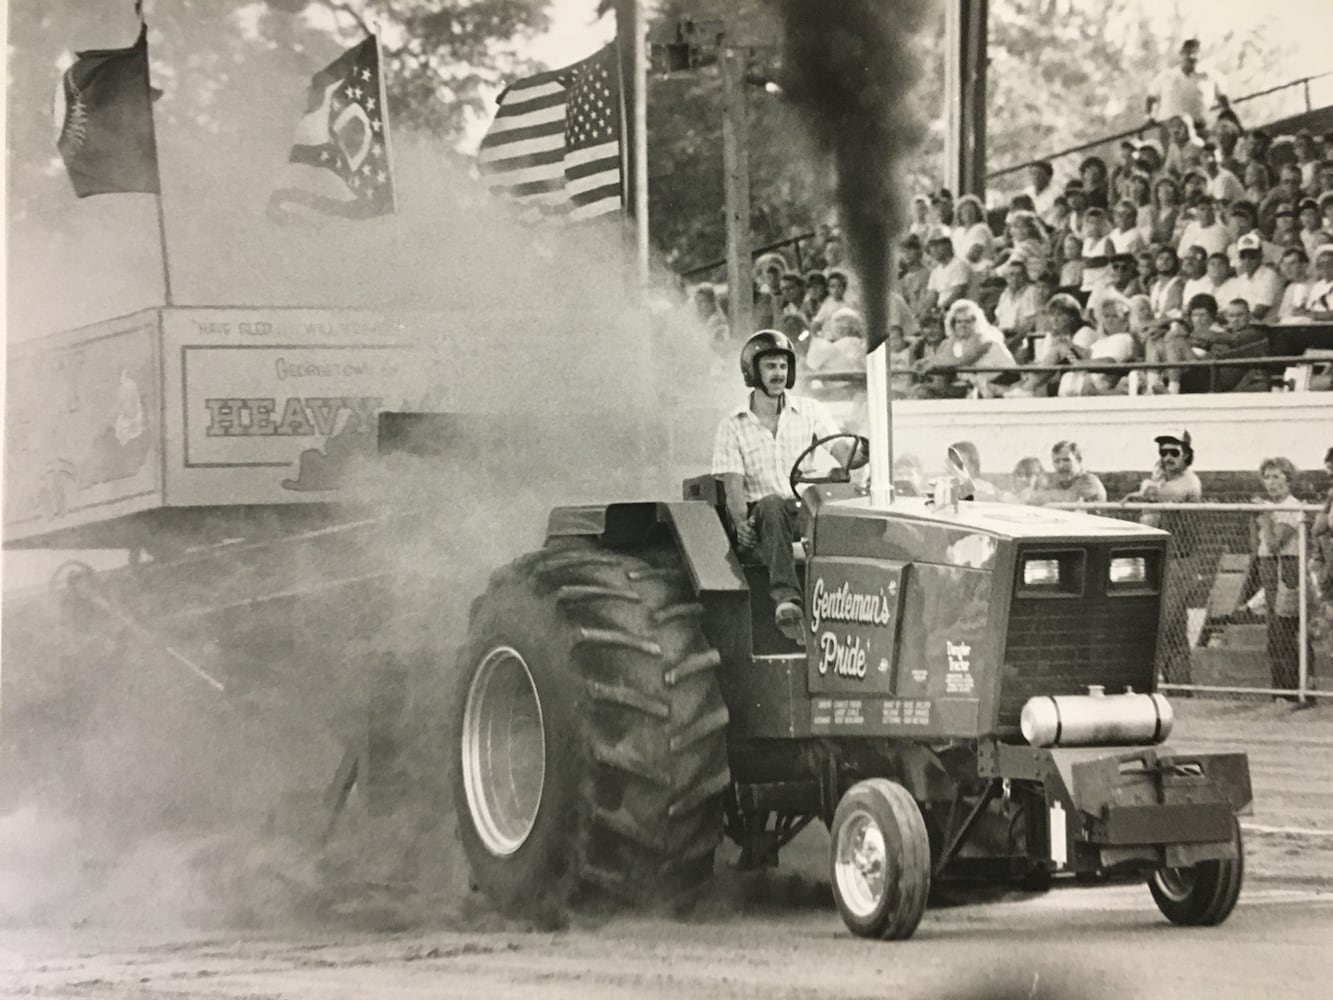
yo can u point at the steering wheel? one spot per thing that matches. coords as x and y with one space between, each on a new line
841 474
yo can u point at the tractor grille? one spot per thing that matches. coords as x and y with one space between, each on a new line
1061 646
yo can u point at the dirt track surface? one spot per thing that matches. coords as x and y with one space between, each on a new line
767 935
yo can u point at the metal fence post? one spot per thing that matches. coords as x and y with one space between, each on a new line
1303 626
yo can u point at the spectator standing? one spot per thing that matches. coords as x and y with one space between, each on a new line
1186 89
1069 482
1205 231
1256 283
1172 481
1276 538
1321 539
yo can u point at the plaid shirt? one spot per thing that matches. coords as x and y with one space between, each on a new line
744 446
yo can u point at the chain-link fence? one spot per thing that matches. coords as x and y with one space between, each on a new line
1246 604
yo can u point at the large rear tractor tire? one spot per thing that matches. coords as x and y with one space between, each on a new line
880 859
590 758
1201 895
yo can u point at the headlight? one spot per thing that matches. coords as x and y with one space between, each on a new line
1129 570
1134 571
1041 572
1051 573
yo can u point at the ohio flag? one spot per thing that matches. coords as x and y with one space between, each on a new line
339 164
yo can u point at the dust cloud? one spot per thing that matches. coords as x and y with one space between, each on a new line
134 794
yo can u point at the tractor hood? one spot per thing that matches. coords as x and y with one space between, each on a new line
1005 520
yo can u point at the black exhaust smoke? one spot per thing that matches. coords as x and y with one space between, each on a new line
848 67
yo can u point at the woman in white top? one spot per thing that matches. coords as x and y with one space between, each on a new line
970 340
972 238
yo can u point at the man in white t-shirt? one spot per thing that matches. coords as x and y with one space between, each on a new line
1194 266
1255 282
1186 90
950 278
1205 231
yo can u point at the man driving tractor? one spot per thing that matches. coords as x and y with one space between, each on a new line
754 450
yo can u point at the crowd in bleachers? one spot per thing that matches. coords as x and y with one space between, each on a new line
1174 252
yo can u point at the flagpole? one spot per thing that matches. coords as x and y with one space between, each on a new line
641 138
384 116
152 125
627 185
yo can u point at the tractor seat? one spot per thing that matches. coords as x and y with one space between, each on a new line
709 489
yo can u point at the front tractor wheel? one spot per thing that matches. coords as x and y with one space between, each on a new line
880 860
590 751
1201 895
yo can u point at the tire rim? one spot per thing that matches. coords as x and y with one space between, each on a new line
504 751
1175 883
860 864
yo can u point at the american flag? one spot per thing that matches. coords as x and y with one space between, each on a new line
339 164
554 146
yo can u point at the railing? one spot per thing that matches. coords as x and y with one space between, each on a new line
1271 364
1216 601
1147 124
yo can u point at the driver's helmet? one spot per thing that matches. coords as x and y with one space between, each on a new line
759 346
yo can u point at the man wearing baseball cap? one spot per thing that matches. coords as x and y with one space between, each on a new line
1255 282
1172 481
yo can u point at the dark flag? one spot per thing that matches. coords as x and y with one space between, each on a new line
339 164
106 131
554 146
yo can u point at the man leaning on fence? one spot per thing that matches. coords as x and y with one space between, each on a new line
1172 481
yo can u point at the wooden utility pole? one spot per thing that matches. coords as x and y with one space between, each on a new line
965 62
736 179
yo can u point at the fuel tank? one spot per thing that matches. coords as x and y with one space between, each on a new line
1096 719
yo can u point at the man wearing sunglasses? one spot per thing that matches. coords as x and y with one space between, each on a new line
1173 481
